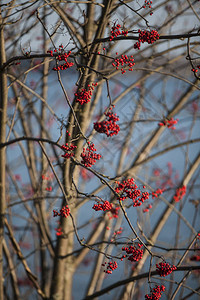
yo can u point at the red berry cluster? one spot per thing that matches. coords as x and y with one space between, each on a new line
88 156
149 206
195 70
84 96
58 231
146 37
104 50
116 31
134 253
156 293
49 188
156 172
195 258
115 234
119 231
108 126
157 193
147 3
169 123
124 61
68 150
180 192
164 269
62 56
45 177
111 266
113 213
105 206
64 212
128 189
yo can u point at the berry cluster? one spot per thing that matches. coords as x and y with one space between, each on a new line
147 3
89 158
134 253
164 269
180 192
104 51
128 189
18 177
115 234
195 70
169 123
68 150
149 206
49 188
146 37
64 212
113 213
111 266
195 258
62 56
58 231
105 206
108 126
45 177
124 61
119 231
156 293
157 193
156 172
116 31
84 96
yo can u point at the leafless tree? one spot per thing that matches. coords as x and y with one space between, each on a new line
99 149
